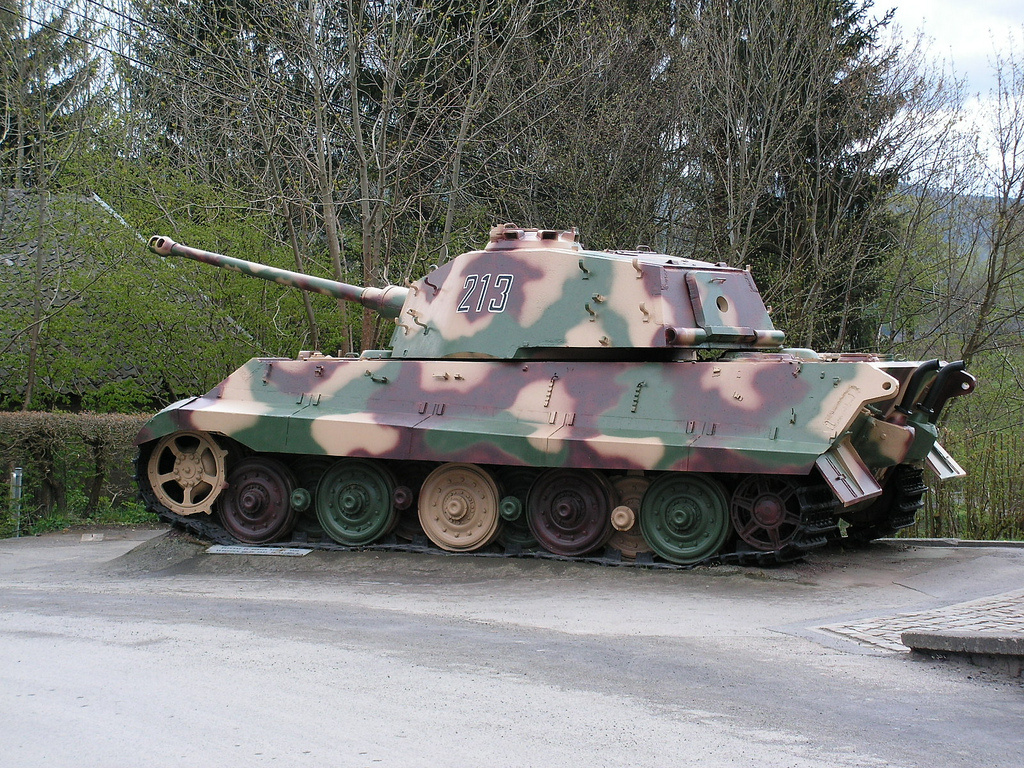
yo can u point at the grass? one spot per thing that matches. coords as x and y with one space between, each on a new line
126 514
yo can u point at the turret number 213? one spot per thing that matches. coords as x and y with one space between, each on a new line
496 293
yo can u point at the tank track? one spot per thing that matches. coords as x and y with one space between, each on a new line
818 509
896 510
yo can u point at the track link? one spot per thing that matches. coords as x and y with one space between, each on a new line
896 509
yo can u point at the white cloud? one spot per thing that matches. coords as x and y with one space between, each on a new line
967 34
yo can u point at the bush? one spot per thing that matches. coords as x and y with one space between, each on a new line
987 504
77 467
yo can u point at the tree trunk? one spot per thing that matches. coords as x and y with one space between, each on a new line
37 303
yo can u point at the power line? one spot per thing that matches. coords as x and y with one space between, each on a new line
123 15
112 52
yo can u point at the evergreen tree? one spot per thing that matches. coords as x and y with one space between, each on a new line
50 75
786 155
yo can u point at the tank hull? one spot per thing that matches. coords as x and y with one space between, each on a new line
557 399
755 415
765 413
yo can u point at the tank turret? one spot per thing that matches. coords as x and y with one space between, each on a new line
549 398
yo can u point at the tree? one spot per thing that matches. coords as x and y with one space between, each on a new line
49 98
381 123
588 151
50 79
956 289
999 309
788 154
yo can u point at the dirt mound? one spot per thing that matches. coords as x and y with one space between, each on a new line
160 553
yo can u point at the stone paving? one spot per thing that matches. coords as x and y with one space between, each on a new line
1000 614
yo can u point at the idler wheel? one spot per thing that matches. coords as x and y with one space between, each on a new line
187 472
355 501
765 511
627 538
685 517
458 507
256 506
569 511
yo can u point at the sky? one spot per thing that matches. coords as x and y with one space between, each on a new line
967 33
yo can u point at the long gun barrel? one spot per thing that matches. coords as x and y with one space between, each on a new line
387 301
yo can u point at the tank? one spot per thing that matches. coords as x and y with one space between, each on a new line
538 397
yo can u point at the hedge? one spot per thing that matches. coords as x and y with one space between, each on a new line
74 464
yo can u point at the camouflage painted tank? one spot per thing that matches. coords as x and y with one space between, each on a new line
543 397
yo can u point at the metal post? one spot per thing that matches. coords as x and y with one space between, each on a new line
16 499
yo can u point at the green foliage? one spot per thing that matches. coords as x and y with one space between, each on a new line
983 433
126 513
986 504
113 312
233 317
76 468
116 397
50 525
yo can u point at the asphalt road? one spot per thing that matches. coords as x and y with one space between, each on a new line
143 650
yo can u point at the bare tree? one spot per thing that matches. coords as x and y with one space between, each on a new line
792 141
375 119
999 307
959 279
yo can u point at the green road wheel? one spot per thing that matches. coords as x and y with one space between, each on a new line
685 517
355 501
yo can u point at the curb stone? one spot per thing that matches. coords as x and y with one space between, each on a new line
999 651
